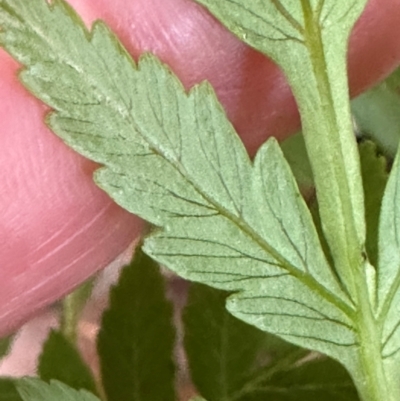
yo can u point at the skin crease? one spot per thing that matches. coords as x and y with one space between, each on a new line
56 227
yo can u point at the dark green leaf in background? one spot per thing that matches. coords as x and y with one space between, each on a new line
222 350
377 113
295 153
393 81
32 389
60 360
231 361
8 390
313 380
375 175
5 344
136 339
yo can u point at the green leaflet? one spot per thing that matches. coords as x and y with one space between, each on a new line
308 40
137 338
389 272
268 249
31 389
61 361
175 160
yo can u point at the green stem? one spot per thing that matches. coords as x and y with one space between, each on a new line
374 384
332 149
72 306
334 159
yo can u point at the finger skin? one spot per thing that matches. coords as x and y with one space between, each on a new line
56 227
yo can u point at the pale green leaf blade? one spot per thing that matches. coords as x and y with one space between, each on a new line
389 271
278 212
175 160
8 390
136 339
61 361
275 25
270 252
31 389
308 40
